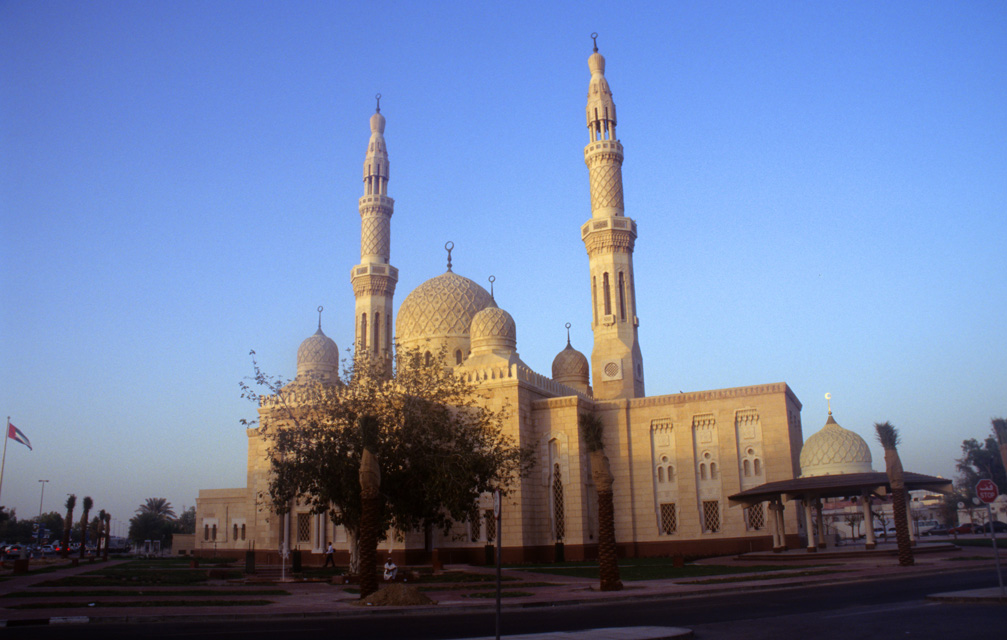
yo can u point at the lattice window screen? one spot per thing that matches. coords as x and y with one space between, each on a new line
755 517
557 503
304 527
711 516
669 519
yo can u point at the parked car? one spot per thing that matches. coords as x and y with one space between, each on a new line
963 528
999 527
939 530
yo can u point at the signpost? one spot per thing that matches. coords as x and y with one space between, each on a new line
987 491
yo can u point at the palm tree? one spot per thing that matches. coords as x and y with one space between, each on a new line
1000 429
592 430
71 502
88 503
101 532
108 533
159 507
370 483
888 436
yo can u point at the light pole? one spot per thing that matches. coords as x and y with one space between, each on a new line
40 510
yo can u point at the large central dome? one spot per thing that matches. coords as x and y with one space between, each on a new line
439 313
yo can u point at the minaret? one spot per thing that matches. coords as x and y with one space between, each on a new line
616 361
374 279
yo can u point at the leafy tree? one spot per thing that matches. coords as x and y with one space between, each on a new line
88 503
71 502
52 522
980 460
438 450
186 522
888 436
592 431
1000 431
853 520
149 526
159 507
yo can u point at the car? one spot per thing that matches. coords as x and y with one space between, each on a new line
963 528
999 527
939 530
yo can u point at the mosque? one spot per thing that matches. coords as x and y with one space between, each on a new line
677 458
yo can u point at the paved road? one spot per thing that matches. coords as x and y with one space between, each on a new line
872 609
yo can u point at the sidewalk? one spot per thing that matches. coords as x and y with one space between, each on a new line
320 599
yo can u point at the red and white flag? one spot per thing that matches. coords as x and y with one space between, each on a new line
15 434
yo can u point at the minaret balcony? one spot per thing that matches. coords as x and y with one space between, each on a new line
377 201
612 146
384 270
620 223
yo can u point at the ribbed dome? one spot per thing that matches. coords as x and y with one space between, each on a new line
318 356
493 322
570 362
440 311
834 451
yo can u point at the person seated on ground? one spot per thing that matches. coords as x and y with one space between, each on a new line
390 570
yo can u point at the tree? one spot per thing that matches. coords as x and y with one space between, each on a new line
88 503
98 530
888 436
159 507
437 449
71 502
51 522
1000 431
186 522
592 430
108 533
853 520
980 460
370 503
149 526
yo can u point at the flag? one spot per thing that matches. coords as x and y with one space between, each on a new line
15 434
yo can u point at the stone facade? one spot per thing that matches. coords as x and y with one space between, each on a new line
675 458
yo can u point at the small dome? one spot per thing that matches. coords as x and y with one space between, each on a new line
439 312
318 357
834 451
570 363
493 322
596 63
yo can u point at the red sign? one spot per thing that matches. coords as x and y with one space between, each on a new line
987 491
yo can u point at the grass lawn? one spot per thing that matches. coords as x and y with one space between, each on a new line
167 572
144 603
983 542
94 593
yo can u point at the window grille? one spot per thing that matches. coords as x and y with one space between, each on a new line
557 504
474 524
304 527
669 519
213 532
711 516
206 532
242 532
235 536
755 517
491 525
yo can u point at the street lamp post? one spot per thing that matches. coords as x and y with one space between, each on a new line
42 497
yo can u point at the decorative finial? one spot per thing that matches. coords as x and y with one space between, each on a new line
378 98
320 317
568 334
492 280
828 398
594 36
449 246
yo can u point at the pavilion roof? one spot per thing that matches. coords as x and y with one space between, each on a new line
836 486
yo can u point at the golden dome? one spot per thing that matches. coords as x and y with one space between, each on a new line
570 363
439 312
494 323
834 451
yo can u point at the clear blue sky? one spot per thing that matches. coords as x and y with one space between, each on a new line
820 190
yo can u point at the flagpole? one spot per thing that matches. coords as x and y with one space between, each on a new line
3 460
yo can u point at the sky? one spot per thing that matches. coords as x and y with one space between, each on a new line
820 191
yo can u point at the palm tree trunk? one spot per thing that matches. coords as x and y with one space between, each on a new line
64 549
608 562
108 534
897 481
368 542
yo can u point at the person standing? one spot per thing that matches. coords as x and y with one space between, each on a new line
329 556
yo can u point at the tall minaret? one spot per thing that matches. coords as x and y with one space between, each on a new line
616 361
374 279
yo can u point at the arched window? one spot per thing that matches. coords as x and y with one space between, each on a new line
713 470
234 536
594 297
363 330
607 294
671 472
660 474
427 358
377 332
622 297
242 531
213 532
458 356
746 467
206 532
758 467
702 471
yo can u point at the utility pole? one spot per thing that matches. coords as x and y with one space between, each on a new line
42 497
